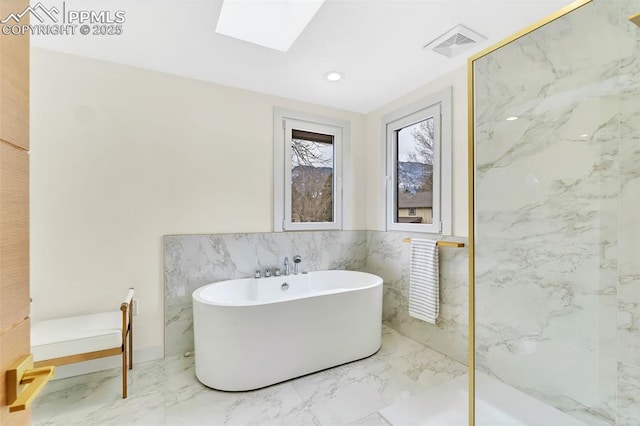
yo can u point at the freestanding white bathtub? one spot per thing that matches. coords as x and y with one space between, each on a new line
250 333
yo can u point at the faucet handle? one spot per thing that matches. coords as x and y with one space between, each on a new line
276 272
258 273
267 273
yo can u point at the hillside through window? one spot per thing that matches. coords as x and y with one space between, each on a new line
308 188
312 177
418 141
414 168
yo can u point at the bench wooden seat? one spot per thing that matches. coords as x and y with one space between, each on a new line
80 338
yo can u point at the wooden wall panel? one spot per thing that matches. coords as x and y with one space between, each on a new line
14 204
14 235
12 347
14 80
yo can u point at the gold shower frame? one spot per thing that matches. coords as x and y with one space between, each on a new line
471 182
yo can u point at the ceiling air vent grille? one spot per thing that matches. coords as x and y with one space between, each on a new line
455 41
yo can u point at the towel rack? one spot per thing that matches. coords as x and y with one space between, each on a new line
440 243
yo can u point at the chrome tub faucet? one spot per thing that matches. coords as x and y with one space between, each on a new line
286 266
296 261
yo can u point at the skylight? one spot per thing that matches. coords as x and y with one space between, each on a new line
275 24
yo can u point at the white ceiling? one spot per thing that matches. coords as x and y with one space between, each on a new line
377 44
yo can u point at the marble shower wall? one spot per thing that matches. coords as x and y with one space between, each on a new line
388 257
558 191
628 403
191 261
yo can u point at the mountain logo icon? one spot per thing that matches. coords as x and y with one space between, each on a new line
36 11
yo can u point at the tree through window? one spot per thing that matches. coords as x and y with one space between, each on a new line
308 154
418 160
311 177
414 168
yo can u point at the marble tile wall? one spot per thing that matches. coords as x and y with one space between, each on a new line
191 261
195 260
388 257
558 190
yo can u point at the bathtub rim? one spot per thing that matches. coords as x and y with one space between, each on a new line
197 298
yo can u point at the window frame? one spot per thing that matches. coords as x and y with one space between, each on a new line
438 105
284 122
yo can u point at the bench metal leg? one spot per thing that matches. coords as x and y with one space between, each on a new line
124 371
130 345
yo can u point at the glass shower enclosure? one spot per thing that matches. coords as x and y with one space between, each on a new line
555 224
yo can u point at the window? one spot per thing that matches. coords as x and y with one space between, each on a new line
308 172
418 166
312 176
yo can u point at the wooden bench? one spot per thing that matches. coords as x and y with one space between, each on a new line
68 340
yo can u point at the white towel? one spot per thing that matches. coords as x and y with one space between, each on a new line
424 280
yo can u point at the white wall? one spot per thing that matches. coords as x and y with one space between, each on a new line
122 156
375 151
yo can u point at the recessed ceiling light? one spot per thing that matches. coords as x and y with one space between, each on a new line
275 23
584 135
512 118
334 76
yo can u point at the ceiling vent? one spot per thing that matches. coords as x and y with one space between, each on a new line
455 41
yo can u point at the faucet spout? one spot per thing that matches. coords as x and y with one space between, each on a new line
286 266
296 261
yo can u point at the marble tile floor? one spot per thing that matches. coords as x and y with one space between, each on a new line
166 392
497 404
